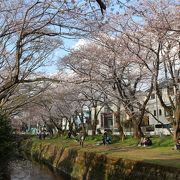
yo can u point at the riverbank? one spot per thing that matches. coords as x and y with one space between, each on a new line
123 160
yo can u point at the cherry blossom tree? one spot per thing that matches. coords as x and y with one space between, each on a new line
31 31
153 28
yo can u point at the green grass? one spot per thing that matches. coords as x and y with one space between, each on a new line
129 141
159 153
158 142
164 141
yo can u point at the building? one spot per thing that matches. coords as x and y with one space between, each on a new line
157 114
156 121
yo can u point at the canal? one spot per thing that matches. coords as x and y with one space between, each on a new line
23 169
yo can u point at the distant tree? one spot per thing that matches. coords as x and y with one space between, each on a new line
112 62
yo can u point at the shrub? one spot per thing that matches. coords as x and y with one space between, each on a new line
5 134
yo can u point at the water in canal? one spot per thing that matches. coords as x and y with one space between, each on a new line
21 169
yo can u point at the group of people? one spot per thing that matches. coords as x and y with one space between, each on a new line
106 138
41 134
145 141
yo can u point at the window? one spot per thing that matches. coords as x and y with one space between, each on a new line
163 126
160 112
154 112
159 126
149 128
145 121
152 96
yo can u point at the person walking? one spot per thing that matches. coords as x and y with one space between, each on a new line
81 138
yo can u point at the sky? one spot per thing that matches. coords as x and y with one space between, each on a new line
71 43
68 43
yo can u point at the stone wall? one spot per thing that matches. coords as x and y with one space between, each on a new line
91 166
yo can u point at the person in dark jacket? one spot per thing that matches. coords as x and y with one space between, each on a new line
104 138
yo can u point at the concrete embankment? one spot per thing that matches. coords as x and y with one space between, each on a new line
88 165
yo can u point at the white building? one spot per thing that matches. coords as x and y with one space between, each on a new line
154 119
157 112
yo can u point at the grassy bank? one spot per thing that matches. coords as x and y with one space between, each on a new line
159 153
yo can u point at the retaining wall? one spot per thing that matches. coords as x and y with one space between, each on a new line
91 166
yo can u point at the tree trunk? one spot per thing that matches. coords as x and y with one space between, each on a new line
94 124
70 126
119 126
137 132
177 120
121 131
176 128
